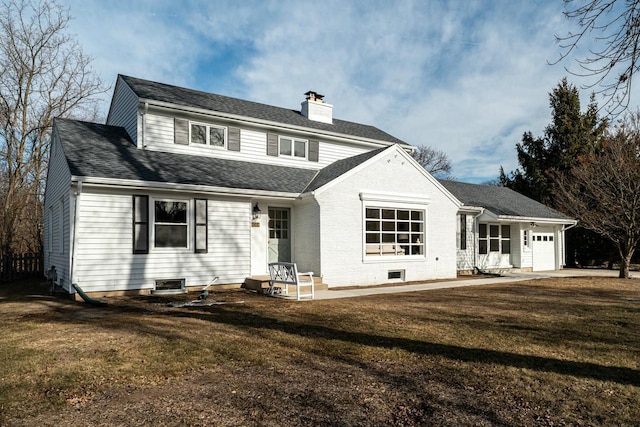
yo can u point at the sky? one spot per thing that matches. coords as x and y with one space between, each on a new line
462 76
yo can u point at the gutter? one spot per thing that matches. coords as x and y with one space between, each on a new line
126 184
505 218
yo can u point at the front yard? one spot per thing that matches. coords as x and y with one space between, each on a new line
546 352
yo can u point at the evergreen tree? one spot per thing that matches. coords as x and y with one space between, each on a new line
570 135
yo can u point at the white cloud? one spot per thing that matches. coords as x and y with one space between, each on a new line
466 77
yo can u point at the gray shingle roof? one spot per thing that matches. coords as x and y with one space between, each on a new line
102 151
501 201
340 167
196 99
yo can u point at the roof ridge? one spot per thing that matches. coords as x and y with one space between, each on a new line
180 95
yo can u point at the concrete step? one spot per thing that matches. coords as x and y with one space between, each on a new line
258 283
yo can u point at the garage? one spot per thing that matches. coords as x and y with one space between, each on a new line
543 250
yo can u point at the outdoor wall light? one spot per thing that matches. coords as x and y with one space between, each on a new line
256 211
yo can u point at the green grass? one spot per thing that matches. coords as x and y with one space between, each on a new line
546 352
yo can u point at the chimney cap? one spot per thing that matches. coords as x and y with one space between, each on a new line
313 96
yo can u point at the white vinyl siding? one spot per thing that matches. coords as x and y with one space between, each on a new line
105 259
124 109
159 136
56 226
466 258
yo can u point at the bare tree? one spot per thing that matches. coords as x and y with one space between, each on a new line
436 162
614 48
43 74
603 189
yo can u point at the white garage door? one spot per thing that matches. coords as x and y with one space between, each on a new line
544 251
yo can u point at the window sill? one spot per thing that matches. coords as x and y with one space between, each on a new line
393 258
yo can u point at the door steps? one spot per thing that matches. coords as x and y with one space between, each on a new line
261 282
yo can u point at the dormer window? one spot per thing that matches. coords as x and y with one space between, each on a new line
292 147
204 134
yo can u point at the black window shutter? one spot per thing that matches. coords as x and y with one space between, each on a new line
313 151
140 224
200 228
272 144
181 131
234 139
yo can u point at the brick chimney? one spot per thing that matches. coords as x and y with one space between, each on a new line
314 108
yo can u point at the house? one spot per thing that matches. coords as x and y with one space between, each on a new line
181 186
500 229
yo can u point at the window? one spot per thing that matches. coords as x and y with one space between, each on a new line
292 147
395 274
498 238
463 232
170 224
525 238
207 135
140 224
505 239
482 239
50 229
200 227
393 232
61 227
169 284
278 223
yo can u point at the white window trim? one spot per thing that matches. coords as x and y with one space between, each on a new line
293 140
488 238
398 206
152 224
208 135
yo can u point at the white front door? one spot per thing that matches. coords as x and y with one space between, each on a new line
543 248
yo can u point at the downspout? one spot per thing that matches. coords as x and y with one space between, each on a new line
73 234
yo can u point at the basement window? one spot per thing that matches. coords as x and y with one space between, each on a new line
396 274
169 284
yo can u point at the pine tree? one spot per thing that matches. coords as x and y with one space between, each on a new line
570 135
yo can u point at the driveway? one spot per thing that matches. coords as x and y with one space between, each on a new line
506 278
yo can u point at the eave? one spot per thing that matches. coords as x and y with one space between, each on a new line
128 184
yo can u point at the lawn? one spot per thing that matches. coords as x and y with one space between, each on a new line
540 353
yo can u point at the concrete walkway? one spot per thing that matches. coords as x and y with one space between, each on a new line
506 278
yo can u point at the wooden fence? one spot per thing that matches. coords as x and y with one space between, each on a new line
18 266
